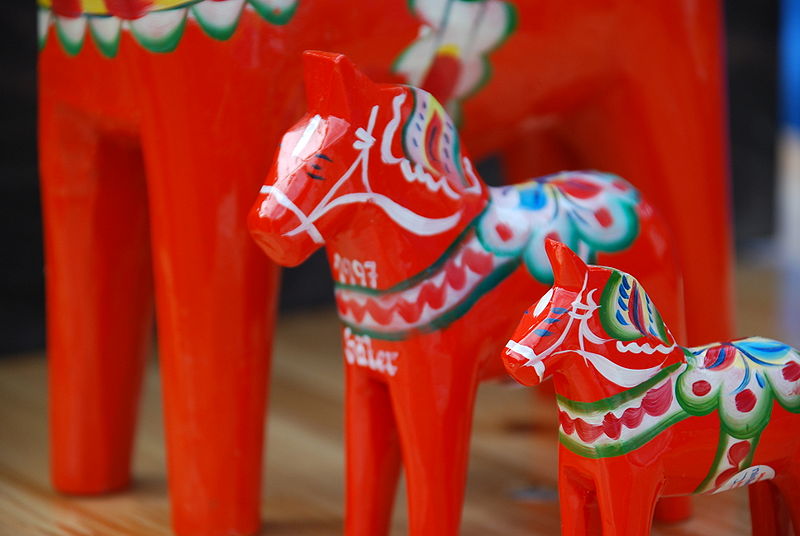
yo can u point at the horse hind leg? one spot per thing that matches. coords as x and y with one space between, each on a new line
673 509
789 486
768 515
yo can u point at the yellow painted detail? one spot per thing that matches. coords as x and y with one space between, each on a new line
449 49
98 7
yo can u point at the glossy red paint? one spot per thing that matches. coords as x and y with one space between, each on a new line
147 152
641 417
375 174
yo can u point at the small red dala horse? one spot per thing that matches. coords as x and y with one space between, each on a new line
431 268
642 417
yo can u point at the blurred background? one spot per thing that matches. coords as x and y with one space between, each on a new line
758 133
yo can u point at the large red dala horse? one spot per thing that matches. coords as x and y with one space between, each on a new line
154 118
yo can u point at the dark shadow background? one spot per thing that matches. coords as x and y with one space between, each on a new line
752 62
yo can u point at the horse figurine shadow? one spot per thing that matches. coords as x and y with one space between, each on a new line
642 417
432 268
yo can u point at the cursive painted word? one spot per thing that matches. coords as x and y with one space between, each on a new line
358 351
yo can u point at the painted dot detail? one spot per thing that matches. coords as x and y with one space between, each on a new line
603 217
791 371
504 232
745 401
738 452
701 388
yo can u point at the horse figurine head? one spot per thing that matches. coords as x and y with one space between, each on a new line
600 316
366 153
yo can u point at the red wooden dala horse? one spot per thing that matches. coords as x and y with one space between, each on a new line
159 110
431 268
642 417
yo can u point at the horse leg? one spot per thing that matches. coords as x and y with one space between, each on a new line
215 290
767 514
435 434
673 509
626 504
789 487
575 496
661 126
99 293
373 455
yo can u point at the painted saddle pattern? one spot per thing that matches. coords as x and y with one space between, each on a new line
157 25
592 212
449 56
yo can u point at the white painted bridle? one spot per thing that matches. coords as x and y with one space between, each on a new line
403 216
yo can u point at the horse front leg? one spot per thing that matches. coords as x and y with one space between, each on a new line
626 496
576 498
99 283
434 417
206 154
373 454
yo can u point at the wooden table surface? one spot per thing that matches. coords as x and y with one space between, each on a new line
512 475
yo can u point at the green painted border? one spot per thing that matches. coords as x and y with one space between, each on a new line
450 316
170 42
513 22
510 253
425 273
107 49
220 33
791 408
279 19
608 305
69 47
620 448
406 125
713 403
714 464
42 38
714 472
632 223
612 402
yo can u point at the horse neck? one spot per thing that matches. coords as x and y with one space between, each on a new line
371 236
598 370
416 205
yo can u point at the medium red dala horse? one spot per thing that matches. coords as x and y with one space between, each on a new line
642 417
431 269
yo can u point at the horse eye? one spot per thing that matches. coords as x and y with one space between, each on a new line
542 303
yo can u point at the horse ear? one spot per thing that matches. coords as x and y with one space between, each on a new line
334 86
569 271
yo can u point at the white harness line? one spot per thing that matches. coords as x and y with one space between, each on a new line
622 376
536 360
403 216
282 199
